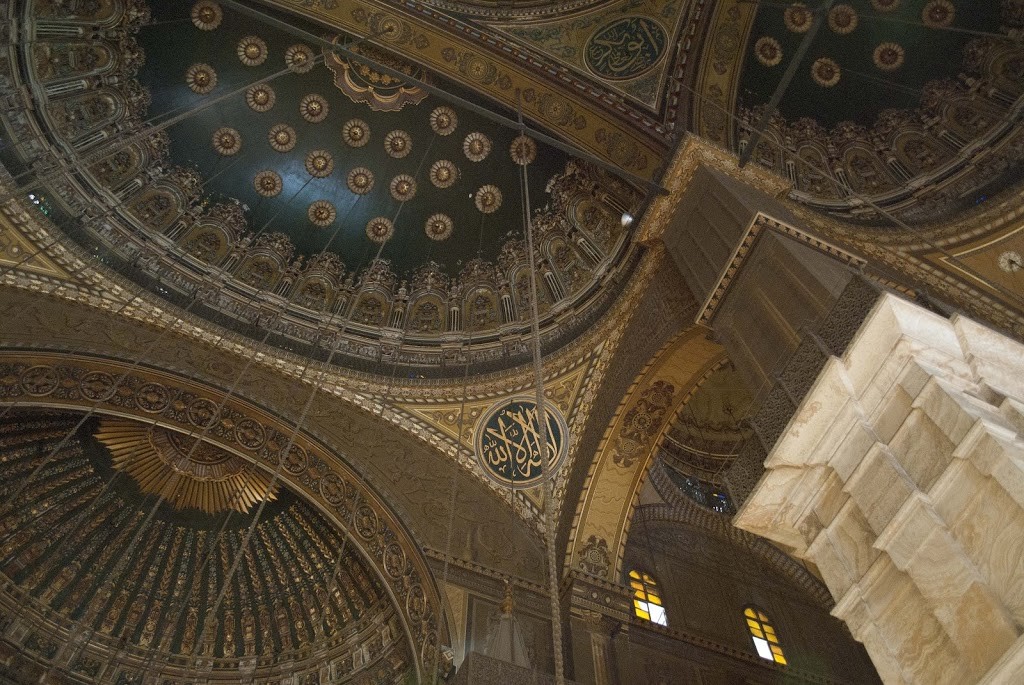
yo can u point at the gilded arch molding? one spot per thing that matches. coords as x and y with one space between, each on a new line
598 541
309 467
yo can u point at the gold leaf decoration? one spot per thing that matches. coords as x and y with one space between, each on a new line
444 120
398 144
260 97
322 213
314 108
319 163
201 78
476 147
207 15
227 141
252 51
523 150
379 229
185 472
360 180
282 138
443 173
355 133
439 227
488 199
403 187
299 58
268 183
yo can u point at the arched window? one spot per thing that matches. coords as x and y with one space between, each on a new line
647 598
763 633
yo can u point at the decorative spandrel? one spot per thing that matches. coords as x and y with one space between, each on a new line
508 443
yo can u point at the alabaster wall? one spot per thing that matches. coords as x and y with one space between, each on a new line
901 477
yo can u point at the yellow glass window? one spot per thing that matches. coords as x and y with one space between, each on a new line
647 598
766 642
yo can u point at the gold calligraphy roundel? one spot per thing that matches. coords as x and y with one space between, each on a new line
508 443
625 48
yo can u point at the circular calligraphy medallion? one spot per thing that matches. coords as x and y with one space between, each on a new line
507 443
625 48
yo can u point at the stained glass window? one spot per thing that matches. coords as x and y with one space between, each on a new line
647 598
763 633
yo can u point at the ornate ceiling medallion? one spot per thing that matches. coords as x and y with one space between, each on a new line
201 78
885 5
282 138
476 147
379 230
403 187
398 144
207 15
444 120
768 51
439 227
364 83
260 97
360 180
185 472
227 141
798 18
319 163
523 150
507 446
314 108
938 14
355 133
488 199
825 72
842 19
268 183
443 174
889 56
625 48
299 58
322 213
1011 262
252 51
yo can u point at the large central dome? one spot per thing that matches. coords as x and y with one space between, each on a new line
295 183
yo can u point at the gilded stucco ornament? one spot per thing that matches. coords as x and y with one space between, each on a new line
268 183
282 138
355 133
842 19
252 51
476 147
889 56
403 187
768 51
227 141
322 213
798 18
444 120
825 72
439 227
523 150
207 15
488 199
938 14
1011 262
379 229
260 97
398 144
443 174
314 108
201 78
360 180
299 58
319 163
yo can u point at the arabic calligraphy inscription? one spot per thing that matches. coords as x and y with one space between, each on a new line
625 48
508 440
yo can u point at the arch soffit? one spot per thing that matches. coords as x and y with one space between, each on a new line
597 543
312 469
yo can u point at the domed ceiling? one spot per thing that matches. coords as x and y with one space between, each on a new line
910 106
246 169
98 556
